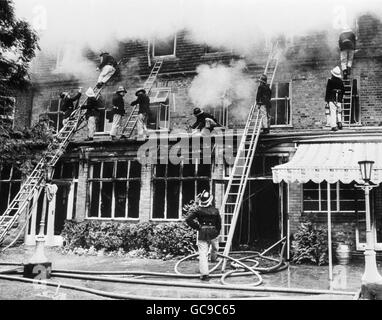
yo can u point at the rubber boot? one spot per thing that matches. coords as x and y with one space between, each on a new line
345 74
339 125
348 71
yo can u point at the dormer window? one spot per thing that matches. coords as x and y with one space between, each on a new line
164 47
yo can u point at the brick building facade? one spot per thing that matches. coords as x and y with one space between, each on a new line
103 179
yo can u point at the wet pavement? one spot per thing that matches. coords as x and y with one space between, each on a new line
345 278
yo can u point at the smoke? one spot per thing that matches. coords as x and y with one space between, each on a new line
237 25
222 86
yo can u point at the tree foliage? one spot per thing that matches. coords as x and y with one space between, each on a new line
18 43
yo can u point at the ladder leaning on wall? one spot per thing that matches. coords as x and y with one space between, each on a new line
32 185
131 122
238 178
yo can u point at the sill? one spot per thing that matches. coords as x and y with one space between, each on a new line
281 126
165 220
167 57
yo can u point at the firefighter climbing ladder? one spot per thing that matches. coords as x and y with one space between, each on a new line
238 178
133 117
347 102
28 190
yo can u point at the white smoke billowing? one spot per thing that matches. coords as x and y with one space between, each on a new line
218 85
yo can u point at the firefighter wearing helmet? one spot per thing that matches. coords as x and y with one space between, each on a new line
206 219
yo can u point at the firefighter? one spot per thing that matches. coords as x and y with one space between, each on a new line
263 102
206 219
67 104
118 111
92 112
107 67
205 122
143 113
334 93
347 43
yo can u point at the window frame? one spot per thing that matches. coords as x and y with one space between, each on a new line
172 55
155 100
10 181
277 98
112 180
337 199
195 178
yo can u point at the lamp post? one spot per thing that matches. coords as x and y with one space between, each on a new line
371 275
39 265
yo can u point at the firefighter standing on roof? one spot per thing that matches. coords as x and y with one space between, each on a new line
263 101
92 105
206 219
118 111
144 110
334 92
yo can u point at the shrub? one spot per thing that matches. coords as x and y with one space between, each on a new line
310 245
162 239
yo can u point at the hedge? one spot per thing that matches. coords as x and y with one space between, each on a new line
164 239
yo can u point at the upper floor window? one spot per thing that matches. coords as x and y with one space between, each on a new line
159 117
281 104
7 109
164 47
343 197
54 111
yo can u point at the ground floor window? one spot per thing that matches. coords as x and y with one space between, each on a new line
10 181
176 185
114 189
344 197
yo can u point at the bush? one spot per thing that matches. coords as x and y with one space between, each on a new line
162 239
310 245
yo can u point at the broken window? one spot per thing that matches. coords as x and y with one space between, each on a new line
7 109
114 188
343 197
164 47
176 185
281 107
159 117
10 181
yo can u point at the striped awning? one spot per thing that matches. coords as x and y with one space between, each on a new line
331 161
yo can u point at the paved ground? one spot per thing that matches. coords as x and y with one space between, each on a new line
346 278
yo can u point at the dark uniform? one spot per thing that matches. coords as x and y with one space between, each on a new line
201 122
207 221
143 112
67 104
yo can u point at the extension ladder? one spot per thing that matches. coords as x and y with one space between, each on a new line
32 184
347 102
238 178
133 117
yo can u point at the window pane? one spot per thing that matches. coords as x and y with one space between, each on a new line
160 170
311 205
158 199
5 173
96 170
122 167
106 199
94 199
68 170
57 170
269 163
16 174
188 192
164 47
204 170
108 170
173 199
173 170
4 190
188 170
202 185
133 199
135 169
283 90
54 105
120 199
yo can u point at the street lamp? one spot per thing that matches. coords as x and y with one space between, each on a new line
371 275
